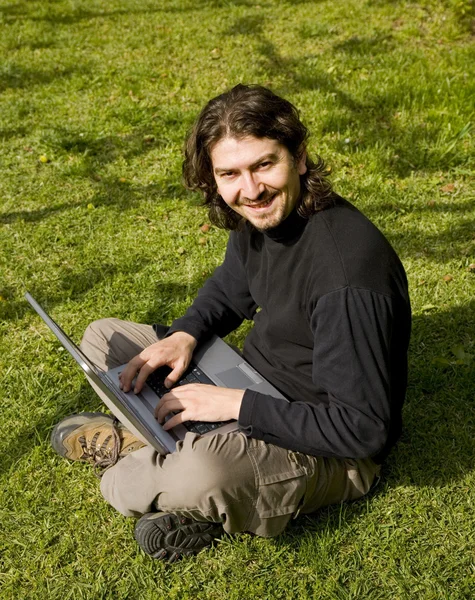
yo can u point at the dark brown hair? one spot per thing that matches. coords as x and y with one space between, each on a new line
250 110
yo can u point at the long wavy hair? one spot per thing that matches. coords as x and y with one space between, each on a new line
250 110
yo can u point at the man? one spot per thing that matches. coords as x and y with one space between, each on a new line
331 313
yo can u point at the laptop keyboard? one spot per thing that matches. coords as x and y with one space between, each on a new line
192 375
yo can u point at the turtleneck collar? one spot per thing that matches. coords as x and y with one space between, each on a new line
288 231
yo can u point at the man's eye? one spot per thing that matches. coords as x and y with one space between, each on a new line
265 164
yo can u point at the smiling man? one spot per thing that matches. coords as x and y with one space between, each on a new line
258 178
329 301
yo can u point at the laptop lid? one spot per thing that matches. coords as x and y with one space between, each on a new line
150 429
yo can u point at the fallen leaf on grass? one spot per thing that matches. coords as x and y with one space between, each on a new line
450 187
463 358
202 241
447 278
471 268
43 159
429 307
181 250
205 228
441 361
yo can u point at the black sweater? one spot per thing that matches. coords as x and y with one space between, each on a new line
332 319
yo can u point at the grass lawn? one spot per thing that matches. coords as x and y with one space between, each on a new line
95 99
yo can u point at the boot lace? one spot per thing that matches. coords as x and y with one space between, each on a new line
102 457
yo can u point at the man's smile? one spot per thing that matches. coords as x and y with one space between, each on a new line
264 203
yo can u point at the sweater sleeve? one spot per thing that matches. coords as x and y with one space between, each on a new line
353 332
222 303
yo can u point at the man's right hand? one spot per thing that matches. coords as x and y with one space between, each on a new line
174 351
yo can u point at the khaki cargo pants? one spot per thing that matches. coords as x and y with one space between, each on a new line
243 483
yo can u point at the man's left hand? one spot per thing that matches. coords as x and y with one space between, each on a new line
199 402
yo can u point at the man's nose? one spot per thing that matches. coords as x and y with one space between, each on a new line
251 187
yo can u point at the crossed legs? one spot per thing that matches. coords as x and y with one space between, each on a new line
243 483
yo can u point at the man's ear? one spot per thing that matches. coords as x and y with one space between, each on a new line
302 161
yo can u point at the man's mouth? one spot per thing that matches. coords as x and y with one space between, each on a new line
263 204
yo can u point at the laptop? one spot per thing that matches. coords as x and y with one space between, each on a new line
214 363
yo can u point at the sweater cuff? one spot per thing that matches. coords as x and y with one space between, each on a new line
191 327
245 413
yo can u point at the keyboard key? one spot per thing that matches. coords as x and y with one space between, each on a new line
212 426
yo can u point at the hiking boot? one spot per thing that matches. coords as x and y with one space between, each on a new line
95 438
168 536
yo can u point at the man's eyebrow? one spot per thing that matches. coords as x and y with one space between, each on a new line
266 157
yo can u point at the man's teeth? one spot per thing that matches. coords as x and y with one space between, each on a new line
261 204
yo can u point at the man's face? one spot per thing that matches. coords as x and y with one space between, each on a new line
258 178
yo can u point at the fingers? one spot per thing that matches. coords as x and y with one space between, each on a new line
151 365
167 404
143 373
182 399
130 371
199 402
157 355
174 421
176 374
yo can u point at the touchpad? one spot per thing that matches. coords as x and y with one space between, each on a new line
235 378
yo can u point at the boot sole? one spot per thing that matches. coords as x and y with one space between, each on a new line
167 536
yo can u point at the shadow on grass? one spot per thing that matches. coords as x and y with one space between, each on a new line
447 241
6 134
109 192
373 122
74 283
37 45
81 153
17 77
360 45
95 153
438 442
21 10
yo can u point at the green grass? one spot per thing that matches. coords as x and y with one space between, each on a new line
103 93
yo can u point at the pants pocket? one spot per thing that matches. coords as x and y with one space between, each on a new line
280 479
